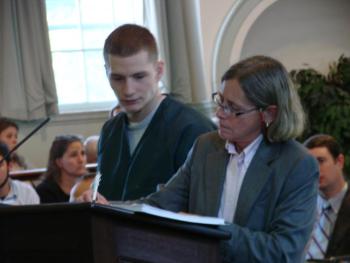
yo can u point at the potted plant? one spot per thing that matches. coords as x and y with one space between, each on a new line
326 100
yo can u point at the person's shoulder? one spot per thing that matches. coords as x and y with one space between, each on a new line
172 104
25 191
22 185
178 111
293 152
294 146
211 140
46 185
120 117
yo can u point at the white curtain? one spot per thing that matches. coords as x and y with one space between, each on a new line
176 23
27 86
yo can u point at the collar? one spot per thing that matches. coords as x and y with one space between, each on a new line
253 146
336 201
144 123
248 152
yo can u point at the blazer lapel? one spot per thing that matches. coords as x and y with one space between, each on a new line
254 181
215 169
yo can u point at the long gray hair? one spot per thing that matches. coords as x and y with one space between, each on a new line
265 82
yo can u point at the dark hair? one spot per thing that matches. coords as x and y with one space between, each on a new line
324 140
58 148
5 123
128 40
265 82
4 150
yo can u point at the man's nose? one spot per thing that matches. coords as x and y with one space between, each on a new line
128 87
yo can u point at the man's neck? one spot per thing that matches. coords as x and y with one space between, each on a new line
144 112
332 192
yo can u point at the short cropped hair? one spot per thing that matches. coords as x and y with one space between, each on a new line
324 140
265 82
129 39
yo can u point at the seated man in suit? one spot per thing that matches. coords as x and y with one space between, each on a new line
331 236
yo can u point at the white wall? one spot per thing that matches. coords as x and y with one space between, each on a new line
212 16
299 32
294 31
36 149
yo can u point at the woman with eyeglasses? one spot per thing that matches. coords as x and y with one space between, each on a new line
251 172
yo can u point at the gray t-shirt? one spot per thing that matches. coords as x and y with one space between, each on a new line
135 130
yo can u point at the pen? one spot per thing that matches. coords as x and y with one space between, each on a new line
95 185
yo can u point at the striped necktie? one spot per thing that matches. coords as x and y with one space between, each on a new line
321 233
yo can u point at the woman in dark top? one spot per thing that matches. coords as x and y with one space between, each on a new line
66 164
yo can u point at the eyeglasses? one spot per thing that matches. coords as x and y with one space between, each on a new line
218 100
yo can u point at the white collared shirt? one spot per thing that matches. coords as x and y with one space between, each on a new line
21 193
234 179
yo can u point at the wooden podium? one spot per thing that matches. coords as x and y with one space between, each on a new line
96 233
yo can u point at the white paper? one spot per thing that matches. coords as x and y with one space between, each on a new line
151 210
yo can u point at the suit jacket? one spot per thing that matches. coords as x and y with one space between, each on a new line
276 205
160 152
339 244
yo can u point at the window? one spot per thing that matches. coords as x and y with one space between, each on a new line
77 30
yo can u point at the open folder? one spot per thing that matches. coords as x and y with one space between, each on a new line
151 210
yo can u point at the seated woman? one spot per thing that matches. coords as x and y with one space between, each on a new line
8 135
66 164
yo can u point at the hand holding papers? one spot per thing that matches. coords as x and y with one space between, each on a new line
151 210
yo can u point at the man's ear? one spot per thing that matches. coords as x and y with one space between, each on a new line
270 114
160 69
340 160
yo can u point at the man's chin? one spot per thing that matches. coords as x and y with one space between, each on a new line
132 109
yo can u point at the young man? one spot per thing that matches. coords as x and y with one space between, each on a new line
13 192
334 193
143 145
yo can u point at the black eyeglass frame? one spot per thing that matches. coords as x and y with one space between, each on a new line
228 109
